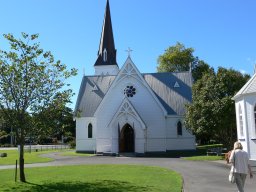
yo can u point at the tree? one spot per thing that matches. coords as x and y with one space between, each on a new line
54 122
30 79
211 115
178 58
200 68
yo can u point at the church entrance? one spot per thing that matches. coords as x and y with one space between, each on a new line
126 139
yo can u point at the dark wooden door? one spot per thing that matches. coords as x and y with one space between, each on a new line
127 139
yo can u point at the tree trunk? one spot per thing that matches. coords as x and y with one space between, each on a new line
21 160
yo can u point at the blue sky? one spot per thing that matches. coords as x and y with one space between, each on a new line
222 32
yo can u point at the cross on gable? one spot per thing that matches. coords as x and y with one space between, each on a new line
129 50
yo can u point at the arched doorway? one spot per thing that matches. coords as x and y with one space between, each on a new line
126 139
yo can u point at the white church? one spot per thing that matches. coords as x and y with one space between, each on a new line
245 104
120 110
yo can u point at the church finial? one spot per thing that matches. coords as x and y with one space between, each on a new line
107 51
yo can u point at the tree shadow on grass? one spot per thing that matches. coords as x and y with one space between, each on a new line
97 186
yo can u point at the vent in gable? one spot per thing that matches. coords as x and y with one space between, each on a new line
95 88
176 85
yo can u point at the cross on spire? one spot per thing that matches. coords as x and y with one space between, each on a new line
129 50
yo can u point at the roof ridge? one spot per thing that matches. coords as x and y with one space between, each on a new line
245 87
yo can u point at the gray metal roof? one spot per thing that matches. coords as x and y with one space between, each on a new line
92 91
172 89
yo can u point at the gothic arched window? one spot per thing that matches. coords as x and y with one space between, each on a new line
90 130
179 128
241 126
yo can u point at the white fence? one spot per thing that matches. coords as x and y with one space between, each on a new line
45 147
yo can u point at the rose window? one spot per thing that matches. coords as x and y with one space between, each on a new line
129 91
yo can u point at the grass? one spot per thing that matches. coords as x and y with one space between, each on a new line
200 154
94 178
204 158
34 157
209 146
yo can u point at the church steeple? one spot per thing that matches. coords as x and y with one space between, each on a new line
107 51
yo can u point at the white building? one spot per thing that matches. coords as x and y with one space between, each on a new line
245 103
122 110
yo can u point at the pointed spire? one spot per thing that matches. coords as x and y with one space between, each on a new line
107 51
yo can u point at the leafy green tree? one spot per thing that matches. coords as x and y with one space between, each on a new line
30 79
211 115
178 58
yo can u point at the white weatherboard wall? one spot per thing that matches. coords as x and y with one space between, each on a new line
250 104
245 99
106 70
153 116
83 143
175 141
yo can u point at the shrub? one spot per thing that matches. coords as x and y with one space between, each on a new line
3 154
72 144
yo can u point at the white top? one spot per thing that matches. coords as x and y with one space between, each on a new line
241 159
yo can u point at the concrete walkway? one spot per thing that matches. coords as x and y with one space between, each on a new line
198 176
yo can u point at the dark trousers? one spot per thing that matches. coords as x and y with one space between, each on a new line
240 181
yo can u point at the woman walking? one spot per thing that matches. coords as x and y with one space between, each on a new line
240 165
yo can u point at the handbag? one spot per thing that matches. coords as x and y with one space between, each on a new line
231 176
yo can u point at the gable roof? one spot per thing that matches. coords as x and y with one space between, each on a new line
172 98
248 88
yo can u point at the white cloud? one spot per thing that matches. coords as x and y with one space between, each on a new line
243 71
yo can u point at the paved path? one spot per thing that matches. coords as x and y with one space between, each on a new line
198 176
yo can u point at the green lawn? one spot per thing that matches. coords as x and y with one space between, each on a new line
34 157
12 156
94 178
